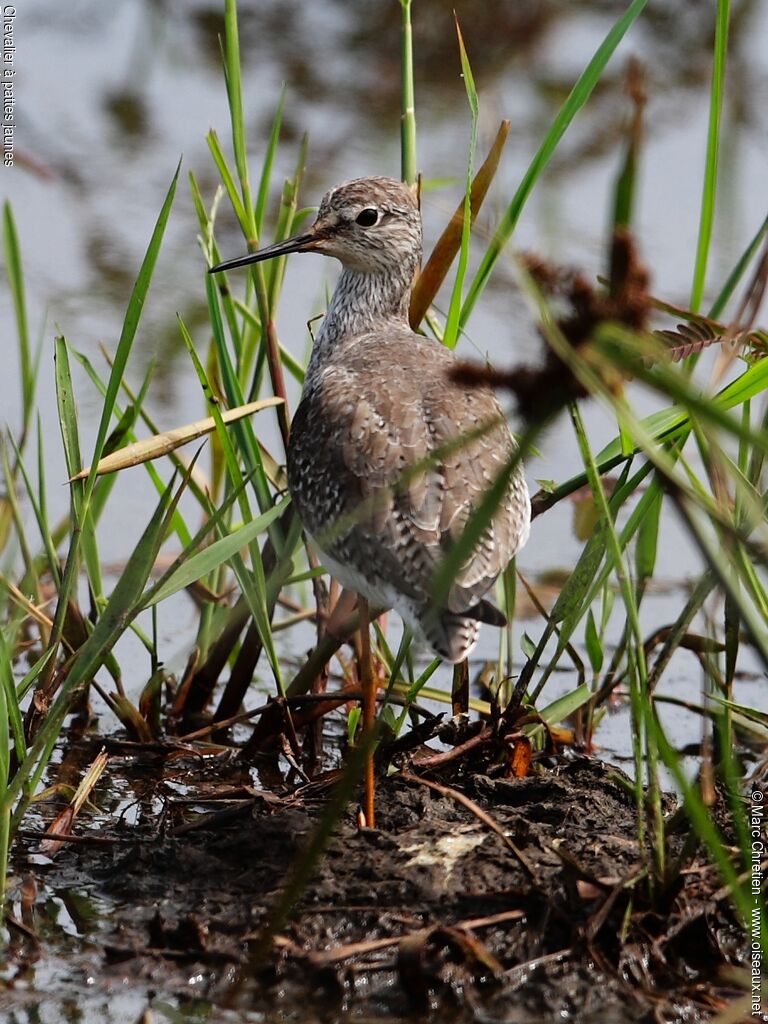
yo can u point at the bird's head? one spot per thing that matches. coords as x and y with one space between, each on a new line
371 225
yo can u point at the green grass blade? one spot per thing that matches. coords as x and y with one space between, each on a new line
292 365
211 557
68 421
14 270
247 215
122 605
738 271
17 516
213 407
701 819
11 723
82 534
578 96
707 217
287 224
179 525
672 422
42 509
242 430
212 255
65 398
578 594
451 333
235 98
624 192
649 809
80 520
409 165
566 705
227 177
648 540
726 569
38 510
254 586
262 193
130 325
120 436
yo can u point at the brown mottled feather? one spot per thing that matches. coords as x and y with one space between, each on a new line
378 402
383 425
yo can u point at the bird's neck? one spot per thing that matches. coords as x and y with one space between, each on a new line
363 302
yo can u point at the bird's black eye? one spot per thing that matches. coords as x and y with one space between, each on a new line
367 218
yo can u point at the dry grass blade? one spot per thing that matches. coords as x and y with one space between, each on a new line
755 292
87 840
699 332
414 969
444 253
161 444
688 339
62 823
34 611
741 333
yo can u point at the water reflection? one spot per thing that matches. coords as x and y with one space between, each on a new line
342 59
143 82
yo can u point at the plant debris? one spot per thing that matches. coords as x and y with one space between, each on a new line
517 899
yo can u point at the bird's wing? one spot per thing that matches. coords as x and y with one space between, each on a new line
468 427
400 465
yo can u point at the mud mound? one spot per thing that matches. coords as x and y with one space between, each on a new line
475 898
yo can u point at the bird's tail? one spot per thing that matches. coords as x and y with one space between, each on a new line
484 611
452 637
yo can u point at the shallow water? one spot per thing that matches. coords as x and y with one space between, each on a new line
159 914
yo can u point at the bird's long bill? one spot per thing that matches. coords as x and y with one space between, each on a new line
298 243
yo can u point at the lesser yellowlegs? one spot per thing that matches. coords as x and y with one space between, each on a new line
379 480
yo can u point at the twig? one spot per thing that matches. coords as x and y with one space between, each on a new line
523 970
30 833
481 815
446 756
352 949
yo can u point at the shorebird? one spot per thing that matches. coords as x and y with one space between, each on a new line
382 483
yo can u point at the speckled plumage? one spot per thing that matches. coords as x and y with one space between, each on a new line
378 401
376 467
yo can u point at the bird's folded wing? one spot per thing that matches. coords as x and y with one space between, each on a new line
419 458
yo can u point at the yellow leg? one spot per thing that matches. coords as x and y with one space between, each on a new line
368 684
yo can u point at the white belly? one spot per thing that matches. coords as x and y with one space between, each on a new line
378 593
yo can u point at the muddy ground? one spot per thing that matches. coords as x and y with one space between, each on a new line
485 899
